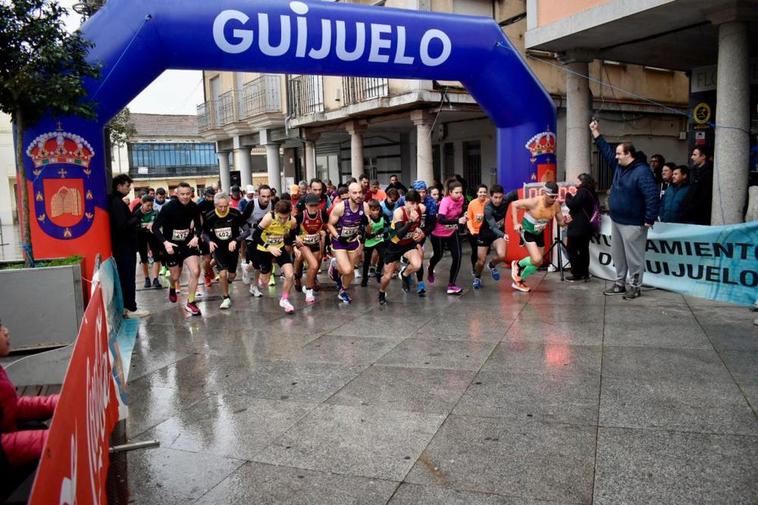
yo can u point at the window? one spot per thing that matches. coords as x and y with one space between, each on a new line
157 156
472 163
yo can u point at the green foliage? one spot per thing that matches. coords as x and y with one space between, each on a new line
120 129
57 262
42 65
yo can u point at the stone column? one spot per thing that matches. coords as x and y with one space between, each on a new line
242 162
424 159
578 113
731 156
310 159
356 130
223 169
273 166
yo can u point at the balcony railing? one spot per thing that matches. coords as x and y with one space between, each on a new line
225 113
259 96
306 95
361 89
203 117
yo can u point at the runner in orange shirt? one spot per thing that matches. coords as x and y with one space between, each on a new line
475 215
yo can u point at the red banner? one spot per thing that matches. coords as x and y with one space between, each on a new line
74 464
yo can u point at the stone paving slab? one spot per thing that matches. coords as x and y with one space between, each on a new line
522 458
260 484
363 441
558 396
640 467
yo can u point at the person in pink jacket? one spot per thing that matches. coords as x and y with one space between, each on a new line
445 234
20 447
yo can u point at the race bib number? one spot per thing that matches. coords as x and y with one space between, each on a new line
275 240
540 226
349 231
180 235
313 239
223 233
479 218
451 226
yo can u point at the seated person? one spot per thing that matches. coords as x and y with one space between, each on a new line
22 435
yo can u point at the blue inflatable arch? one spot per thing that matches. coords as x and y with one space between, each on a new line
136 40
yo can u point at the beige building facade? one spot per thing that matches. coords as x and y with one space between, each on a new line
335 127
706 39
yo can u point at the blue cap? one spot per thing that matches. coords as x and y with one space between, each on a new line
418 185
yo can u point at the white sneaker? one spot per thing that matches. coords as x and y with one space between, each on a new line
226 303
358 273
286 305
255 291
309 297
136 314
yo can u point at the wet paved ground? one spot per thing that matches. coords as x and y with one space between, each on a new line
561 396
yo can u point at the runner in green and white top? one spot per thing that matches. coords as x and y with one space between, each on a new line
540 211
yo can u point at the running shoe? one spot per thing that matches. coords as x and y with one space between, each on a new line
358 273
406 283
371 271
309 297
430 276
515 271
342 295
227 303
208 280
382 298
493 272
632 293
147 282
520 286
192 308
286 305
421 288
157 284
615 290
172 295
452 289
136 314
477 283
255 291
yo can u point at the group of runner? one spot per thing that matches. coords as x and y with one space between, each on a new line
387 236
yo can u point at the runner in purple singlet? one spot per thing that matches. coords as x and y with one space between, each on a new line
345 227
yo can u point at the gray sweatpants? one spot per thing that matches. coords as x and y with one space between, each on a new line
628 244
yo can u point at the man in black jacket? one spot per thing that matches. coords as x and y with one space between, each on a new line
124 243
633 206
701 192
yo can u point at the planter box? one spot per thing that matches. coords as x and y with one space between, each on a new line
43 306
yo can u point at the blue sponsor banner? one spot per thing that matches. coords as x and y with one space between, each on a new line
122 333
713 262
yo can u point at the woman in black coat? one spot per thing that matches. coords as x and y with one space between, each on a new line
581 207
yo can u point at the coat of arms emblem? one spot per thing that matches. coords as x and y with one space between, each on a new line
64 204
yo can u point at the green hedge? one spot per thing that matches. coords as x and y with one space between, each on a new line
57 262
